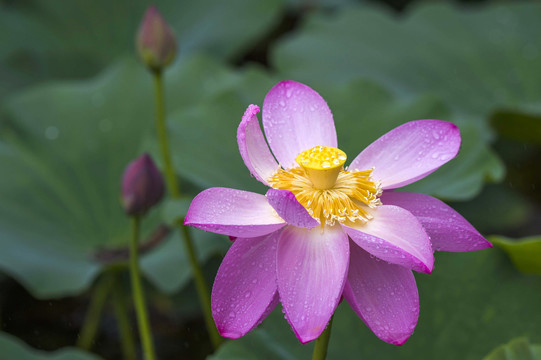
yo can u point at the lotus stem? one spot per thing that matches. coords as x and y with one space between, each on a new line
138 295
320 349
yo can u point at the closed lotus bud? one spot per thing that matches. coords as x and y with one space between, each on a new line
142 186
156 42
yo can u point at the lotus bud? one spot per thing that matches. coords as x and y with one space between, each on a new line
156 42
142 186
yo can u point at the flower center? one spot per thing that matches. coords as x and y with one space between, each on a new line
322 164
327 191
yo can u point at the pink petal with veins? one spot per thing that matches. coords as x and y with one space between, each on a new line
409 152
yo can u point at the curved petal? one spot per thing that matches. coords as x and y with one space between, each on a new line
396 236
253 147
245 286
233 212
383 295
447 229
311 267
409 152
286 205
296 118
272 305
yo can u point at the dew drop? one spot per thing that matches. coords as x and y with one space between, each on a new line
52 133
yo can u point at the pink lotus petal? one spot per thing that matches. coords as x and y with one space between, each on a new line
396 236
286 205
447 229
296 118
409 152
233 212
245 286
311 267
253 147
383 295
272 305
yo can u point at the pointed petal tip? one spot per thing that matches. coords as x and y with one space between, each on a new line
230 334
308 338
480 244
251 110
395 339
425 269
305 336
399 341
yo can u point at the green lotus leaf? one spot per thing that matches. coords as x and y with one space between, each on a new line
63 150
516 349
519 127
13 348
76 38
524 253
429 50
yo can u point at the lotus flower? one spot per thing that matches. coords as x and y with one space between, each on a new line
323 231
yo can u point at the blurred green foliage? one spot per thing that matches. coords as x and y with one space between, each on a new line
525 253
516 349
74 39
15 349
76 108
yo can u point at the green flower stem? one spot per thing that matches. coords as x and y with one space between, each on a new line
93 315
170 176
124 327
320 349
138 296
174 189
202 288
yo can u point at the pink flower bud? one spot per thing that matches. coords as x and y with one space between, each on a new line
156 42
142 186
